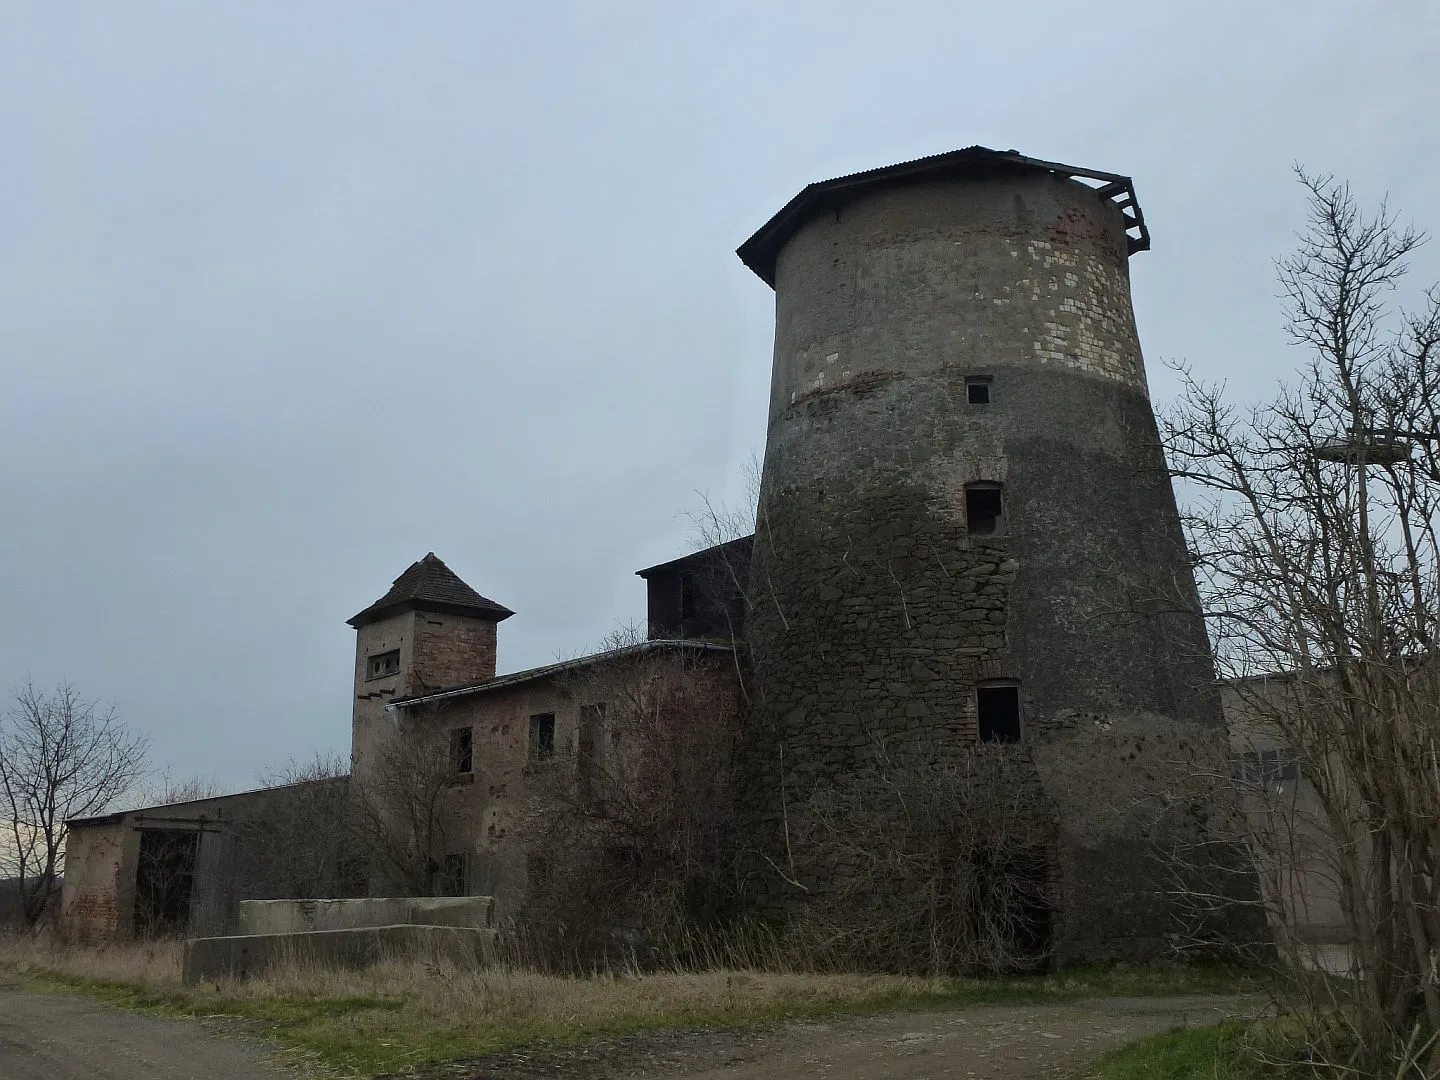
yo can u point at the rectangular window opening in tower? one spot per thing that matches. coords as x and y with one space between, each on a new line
997 706
984 510
542 736
977 391
382 665
462 751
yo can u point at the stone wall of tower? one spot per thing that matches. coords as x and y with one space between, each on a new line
875 612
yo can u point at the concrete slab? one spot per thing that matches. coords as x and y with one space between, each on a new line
302 916
243 955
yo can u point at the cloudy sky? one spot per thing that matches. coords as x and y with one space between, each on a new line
292 293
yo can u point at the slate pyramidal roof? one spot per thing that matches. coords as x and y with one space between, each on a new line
430 585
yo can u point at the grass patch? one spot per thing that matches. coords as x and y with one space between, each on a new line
1224 1052
408 1014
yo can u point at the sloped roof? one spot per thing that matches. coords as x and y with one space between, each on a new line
739 548
500 682
430 585
761 250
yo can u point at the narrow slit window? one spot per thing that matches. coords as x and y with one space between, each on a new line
984 510
542 736
998 709
462 751
977 391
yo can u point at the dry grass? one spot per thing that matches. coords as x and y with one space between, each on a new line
409 1013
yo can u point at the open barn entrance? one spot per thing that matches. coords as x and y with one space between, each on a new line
164 880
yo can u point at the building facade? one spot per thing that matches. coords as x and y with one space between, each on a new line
965 533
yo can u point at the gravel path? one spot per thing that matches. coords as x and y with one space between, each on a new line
60 1037
1011 1042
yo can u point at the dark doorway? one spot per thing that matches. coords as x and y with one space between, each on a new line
998 709
164 880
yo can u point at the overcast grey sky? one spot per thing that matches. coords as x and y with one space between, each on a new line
295 292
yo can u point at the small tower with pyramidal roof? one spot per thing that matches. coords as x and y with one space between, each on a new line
430 631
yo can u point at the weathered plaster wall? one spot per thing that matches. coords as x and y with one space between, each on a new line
485 814
90 905
255 845
876 613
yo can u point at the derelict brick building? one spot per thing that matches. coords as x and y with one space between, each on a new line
965 528
965 532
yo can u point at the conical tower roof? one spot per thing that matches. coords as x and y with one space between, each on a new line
430 585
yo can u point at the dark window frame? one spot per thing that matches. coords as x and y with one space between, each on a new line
380 660
462 751
977 390
542 737
1013 717
977 504
455 874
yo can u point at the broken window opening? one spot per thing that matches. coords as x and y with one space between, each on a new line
383 664
985 510
542 736
1270 766
462 750
977 391
997 708
455 875
164 879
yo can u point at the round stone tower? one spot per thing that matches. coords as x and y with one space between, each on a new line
965 530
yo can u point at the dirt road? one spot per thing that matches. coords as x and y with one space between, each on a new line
986 1043
58 1037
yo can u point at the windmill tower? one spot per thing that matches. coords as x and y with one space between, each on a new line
965 530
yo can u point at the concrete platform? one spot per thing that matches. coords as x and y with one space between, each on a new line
301 916
243 955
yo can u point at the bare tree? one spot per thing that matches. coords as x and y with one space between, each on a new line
944 867
168 790
306 837
634 824
398 801
61 757
1313 519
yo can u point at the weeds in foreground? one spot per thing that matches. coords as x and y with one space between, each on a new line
1224 1052
405 1014
1294 1046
